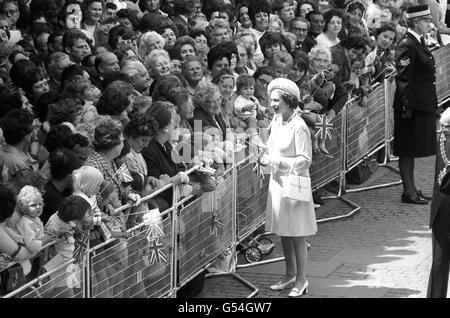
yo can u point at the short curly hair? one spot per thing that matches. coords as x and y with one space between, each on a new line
203 92
186 39
65 110
28 177
257 7
16 124
141 126
57 137
73 208
75 86
114 99
328 15
24 197
163 85
107 135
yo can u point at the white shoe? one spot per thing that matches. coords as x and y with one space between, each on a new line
281 286
295 292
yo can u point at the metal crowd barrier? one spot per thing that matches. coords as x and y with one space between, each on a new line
195 230
442 58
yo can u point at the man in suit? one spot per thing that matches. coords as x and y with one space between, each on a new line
317 24
440 215
415 101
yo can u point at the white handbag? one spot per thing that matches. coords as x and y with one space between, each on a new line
297 187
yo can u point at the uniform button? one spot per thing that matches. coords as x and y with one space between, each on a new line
434 83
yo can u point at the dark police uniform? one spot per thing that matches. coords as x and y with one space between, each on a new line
416 92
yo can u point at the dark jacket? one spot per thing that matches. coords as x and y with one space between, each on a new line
416 78
159 161
309 42
340 94
207 121
181 24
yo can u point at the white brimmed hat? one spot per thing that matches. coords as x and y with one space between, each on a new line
285 85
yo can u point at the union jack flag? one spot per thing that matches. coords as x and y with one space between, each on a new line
156 252
324 126
124 174
216 225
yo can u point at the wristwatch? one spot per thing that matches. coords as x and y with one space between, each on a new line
13 255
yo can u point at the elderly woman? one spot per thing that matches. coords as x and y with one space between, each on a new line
333 25
158 65
276 25
207 102
148 42
192 71
250 42
108 144
289 153
319 89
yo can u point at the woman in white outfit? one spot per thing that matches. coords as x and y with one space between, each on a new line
289 152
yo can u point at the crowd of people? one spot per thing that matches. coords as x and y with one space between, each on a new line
103 102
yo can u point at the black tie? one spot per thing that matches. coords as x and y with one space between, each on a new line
422 40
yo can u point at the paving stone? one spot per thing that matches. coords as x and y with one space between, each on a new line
383 251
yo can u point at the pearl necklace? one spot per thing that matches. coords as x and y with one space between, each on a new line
444 158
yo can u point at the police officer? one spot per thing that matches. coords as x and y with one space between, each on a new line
415 101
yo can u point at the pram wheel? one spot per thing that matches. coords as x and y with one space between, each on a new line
252 254
265 245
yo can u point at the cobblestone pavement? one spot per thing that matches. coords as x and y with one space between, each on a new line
384 250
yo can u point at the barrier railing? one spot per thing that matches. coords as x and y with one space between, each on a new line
195 230
442 58
324 169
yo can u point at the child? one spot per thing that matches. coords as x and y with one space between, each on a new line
87 182
246 104
63 225
359 81
27 222
226 82
115 255
322 91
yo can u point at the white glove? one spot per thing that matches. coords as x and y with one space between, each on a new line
270 159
